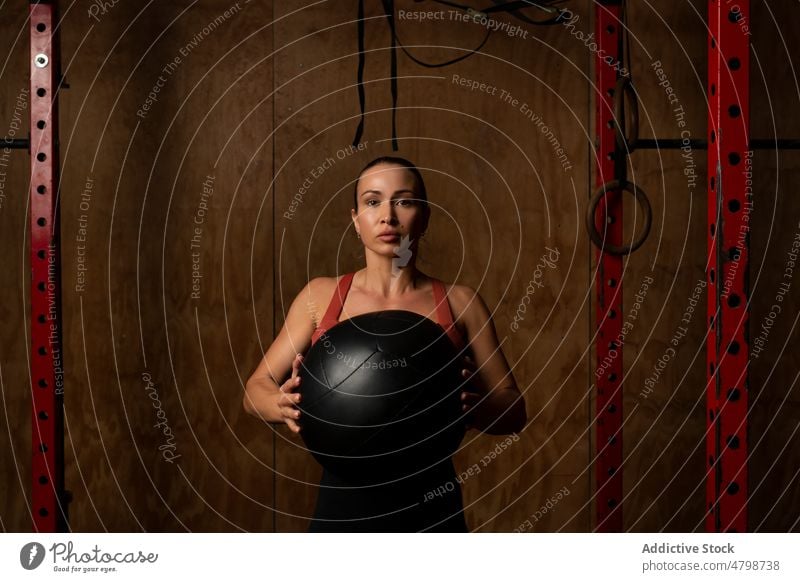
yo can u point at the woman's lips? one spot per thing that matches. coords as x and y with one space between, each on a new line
388 237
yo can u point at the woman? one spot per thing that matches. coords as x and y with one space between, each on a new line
390 215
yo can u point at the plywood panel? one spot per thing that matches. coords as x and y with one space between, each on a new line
664 292
15 422
158 439
664 393
774 392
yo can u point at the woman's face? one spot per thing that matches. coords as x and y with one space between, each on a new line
388 202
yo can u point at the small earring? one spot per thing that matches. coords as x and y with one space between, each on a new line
358 234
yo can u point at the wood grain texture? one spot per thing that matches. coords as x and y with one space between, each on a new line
507 214
137 315
774 393
664 403
15 422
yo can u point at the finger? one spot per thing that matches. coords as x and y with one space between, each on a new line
298 360
291 385
296 364
293 426
290 412
470 397
287 402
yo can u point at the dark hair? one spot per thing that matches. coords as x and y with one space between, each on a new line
398 161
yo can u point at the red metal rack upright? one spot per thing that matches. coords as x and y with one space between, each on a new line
608 461
729 204
47 376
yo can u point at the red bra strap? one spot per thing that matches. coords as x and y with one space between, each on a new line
331 316
443 314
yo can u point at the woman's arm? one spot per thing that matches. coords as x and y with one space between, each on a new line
497 406
262 393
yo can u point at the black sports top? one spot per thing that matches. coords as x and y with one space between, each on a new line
428 501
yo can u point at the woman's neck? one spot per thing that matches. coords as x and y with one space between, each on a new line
385 279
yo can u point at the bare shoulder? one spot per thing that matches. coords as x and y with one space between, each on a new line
321 284
468 306
319 291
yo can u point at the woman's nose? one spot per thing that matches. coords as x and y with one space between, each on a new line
389 213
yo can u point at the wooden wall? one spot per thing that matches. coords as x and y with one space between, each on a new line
251 102
774 390
15 422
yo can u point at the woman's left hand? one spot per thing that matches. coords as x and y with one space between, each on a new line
469 395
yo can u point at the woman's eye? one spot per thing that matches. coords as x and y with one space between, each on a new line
404 202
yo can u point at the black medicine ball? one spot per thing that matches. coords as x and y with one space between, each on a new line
381 395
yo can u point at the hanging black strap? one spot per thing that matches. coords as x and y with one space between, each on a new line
388 8
361 97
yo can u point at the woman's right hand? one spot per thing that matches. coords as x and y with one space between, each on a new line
287 402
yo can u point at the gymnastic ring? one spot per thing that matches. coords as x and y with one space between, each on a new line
641 198
622 88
